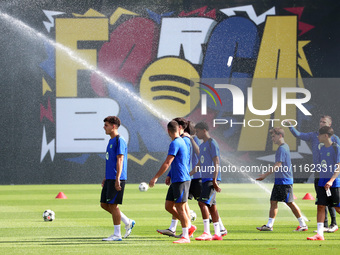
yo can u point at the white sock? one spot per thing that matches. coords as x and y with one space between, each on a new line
206 224
185 233
117 230
124 219
222 227
173 225
320 228
217 228
270 222
302 222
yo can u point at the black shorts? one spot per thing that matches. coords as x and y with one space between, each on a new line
195 189
208 194
322 199
109 193
282 193
178 192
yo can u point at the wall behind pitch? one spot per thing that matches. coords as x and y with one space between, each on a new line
65 66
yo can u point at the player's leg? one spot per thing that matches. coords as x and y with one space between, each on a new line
115 198
184 222
181 192
297 212
207 199
322 202
335 201
170 207
215 218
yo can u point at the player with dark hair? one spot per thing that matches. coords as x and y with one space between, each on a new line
208 158
115 177
283 185
328 190
312 138
177 195
171 231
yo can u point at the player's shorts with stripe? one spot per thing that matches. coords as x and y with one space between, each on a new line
178 192
323 199
195 189
282 193
208 194
109 193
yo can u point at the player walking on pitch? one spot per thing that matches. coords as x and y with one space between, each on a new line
115 177
312 138
208 159
328 190
283 186
169 205
180 179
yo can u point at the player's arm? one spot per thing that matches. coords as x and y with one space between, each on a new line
162 170
216 165
195 145
119 167
334 176
270 171
195 169
298 134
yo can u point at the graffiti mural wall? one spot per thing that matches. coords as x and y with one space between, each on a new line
241 66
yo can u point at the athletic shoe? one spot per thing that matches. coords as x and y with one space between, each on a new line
224 232
192 230
129 227
182 240
166 232
113 238
216 237
317 237
332 229
299 229
204 237
265 228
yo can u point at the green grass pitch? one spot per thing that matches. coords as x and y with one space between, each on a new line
81 224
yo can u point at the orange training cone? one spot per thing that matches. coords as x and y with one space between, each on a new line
294 197
308 196
61 195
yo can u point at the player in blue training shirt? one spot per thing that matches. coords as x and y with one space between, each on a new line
171 231
312 138
328 191
283 186
115 177
209 166
180 179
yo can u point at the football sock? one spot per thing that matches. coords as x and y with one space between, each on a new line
270 222
222 227
320 228
217 228
206 226
117 230
302 222
124 219
173 225
185 233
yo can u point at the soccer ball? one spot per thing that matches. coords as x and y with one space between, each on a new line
143 187
48 215
193 215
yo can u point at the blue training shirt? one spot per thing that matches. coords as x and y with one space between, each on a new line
329 157
209 150
283 175
195 159
312 138
179 171
113 149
